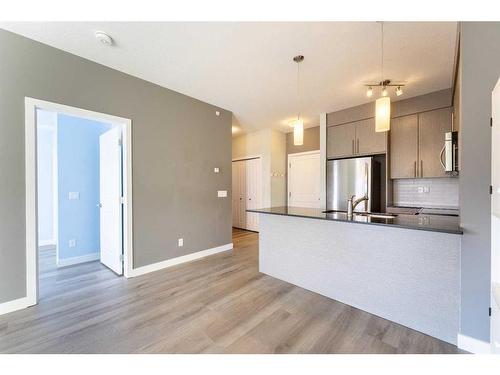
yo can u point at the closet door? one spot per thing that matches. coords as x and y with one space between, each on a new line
235 203
239 194
252 193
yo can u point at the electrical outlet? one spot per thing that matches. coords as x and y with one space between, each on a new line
427 189
222 193
420 189
216 170
180 242
72 243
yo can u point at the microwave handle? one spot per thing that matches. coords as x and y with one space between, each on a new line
441 157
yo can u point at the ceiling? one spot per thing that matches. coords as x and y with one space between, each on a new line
247 68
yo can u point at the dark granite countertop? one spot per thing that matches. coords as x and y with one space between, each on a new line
433 223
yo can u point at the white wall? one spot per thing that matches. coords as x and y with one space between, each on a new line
47 123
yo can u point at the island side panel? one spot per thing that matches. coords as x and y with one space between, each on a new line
407 276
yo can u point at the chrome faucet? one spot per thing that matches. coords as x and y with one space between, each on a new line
352 204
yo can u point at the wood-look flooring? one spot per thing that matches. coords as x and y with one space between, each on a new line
219 304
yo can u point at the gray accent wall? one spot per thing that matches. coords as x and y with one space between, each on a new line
480 70
176 142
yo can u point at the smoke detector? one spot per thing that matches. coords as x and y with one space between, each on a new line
104 38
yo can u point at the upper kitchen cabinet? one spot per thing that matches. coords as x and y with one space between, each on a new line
368 141
341 141
355 138
432 126
404 146
416 142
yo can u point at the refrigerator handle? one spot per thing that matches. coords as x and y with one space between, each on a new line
367 192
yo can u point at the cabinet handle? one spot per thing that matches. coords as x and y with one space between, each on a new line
415 168
421 168
353 151
357 144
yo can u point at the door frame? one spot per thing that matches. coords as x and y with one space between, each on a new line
30 106
298 154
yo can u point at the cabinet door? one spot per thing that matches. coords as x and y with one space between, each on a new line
431 128
404 146
340 140
368 141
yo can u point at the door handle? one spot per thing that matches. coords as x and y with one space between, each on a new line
353 150
357 146
99 205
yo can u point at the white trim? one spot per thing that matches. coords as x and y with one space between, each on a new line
14 305
31 203
313 152
322 159
31 189
182 259
472 345
248 157
77 260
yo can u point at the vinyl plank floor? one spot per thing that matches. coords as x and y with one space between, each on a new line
218 304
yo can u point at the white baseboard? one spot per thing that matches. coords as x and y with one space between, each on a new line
77 260
472 345
46 243
17 304
47 246
182 259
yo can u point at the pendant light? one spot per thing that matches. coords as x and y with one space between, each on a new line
298 124
383 104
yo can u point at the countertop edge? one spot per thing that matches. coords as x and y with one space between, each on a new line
447 231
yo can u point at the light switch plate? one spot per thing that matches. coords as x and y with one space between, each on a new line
180 242
216 170
74 195
72 243
222 193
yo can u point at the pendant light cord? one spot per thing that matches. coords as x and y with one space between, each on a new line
298 92
382 50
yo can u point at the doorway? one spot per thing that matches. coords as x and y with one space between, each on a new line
304 181
78 191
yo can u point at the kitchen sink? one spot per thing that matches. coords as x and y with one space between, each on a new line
379 215
376 215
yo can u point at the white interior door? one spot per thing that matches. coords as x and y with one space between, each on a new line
110 173
304 180
253 195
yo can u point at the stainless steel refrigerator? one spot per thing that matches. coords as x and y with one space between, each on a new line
356 176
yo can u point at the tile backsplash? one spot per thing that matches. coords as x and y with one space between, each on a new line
426 192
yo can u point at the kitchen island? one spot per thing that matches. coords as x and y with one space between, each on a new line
405 269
